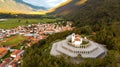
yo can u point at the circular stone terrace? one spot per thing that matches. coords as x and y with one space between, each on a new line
88 50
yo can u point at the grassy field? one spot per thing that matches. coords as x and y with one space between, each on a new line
12 23
13 41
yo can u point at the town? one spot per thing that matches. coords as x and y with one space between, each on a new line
32 33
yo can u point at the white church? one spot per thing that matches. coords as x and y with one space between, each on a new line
74 45
76 40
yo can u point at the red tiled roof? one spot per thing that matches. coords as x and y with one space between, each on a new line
3 51
18 58
14 65
77 39
16 52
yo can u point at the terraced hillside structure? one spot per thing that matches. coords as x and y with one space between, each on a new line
74 46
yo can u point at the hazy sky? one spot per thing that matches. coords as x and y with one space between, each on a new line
45 3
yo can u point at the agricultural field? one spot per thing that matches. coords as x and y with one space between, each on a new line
12 41
12 23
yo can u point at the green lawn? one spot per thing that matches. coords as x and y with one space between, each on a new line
12 23
85 43
13 41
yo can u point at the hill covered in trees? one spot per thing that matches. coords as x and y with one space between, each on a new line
99 18
102 15
92 10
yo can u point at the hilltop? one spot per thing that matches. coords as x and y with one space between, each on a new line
102 15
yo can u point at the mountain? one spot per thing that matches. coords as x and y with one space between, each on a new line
29 6
19 6
90 11
32 6
8 6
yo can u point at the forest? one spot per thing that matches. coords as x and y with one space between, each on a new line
39 55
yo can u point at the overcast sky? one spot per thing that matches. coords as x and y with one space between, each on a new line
45 3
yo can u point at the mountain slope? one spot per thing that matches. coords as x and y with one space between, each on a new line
95 15
7 6
91 11
69 8
29 6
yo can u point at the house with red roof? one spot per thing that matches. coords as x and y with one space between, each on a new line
17 53
3 52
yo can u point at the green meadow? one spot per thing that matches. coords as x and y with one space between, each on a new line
13 41
12 23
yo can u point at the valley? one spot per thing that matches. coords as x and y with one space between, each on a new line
12 23
77 33
14 41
